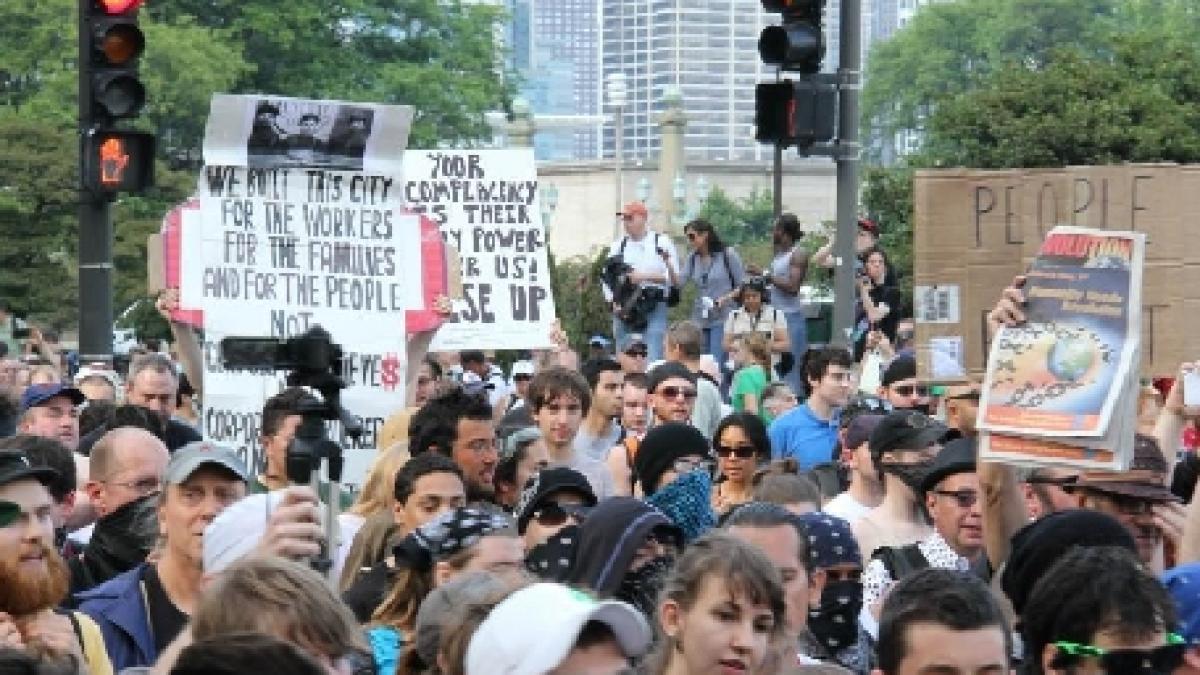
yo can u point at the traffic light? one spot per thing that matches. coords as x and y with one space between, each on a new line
774 112
118 161
113 44
799 44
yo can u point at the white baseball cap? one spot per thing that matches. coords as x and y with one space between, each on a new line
534 630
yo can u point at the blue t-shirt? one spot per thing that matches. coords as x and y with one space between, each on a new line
802 435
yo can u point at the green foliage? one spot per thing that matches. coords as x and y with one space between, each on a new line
438 55
745 223
579 303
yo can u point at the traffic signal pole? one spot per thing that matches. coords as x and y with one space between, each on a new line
95 226
848 153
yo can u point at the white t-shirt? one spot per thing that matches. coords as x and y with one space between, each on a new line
846 507
642 255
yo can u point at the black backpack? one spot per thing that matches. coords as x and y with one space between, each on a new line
900 561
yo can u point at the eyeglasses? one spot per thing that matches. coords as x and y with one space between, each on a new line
142 487
741 451
555 514
908 389
689 464
637 353
1164 659
522 378
9 512
675 392
965 498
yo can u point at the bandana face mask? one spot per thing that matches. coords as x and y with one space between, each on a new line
835 621
909 473
641 586
687 501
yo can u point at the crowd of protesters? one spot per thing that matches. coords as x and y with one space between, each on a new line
712 495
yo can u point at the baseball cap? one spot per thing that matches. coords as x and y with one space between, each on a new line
631 340
905 430
667 371
860 429
522 368
633 209
1145 479
535 628
15 466
38 394
236 532
545 483
957 457
868 225
93 371
191 457
901 368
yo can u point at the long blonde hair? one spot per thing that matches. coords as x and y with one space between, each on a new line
378 491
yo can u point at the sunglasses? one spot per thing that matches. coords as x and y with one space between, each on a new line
522 378
675 392
555 514
637 353
1164 659
9 512
741 451
964 498
908 389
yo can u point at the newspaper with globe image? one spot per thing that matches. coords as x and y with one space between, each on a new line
1061 388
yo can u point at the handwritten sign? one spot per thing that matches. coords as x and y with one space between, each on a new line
487 205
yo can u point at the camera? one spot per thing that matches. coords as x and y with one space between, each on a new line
313 360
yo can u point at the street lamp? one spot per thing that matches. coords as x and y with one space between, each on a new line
618 93
679 198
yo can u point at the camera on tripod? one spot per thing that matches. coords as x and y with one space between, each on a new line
312 360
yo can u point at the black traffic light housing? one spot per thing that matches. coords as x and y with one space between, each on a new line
798 45
110 90
774 112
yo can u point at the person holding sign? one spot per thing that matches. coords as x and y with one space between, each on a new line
644 268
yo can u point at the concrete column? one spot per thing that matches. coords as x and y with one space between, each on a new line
672 123
521 127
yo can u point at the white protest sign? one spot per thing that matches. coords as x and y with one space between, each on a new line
487 205
298 238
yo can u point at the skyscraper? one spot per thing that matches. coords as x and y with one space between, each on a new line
708 50
555 50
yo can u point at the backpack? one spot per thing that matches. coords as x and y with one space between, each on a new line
900 561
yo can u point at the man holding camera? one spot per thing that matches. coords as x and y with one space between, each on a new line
651 268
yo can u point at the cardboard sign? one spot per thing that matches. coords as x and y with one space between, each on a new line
976 230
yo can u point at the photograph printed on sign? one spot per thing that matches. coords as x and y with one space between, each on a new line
308 134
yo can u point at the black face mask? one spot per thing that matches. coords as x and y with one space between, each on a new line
640 588
911 474
835 621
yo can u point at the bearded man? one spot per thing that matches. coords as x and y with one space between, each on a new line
33 576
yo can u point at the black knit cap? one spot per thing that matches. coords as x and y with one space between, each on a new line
901 368
666 371
1037 546
660 448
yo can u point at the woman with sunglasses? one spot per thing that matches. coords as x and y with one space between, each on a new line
741 446
718 272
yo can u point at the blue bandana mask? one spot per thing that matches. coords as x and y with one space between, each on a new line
687 501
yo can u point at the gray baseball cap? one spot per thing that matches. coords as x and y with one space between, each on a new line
191 457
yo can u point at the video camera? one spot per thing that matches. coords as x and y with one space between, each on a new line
315 361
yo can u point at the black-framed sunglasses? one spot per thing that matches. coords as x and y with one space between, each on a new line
908 389
554 514
1157 661
964 498
637 353
521 377
741 451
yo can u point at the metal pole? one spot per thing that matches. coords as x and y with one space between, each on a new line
848 151
618 157
777 180
95 228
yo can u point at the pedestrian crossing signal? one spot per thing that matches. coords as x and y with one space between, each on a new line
118 161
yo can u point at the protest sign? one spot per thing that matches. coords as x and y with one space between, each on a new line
974 230
301 223
1062 387
486 203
